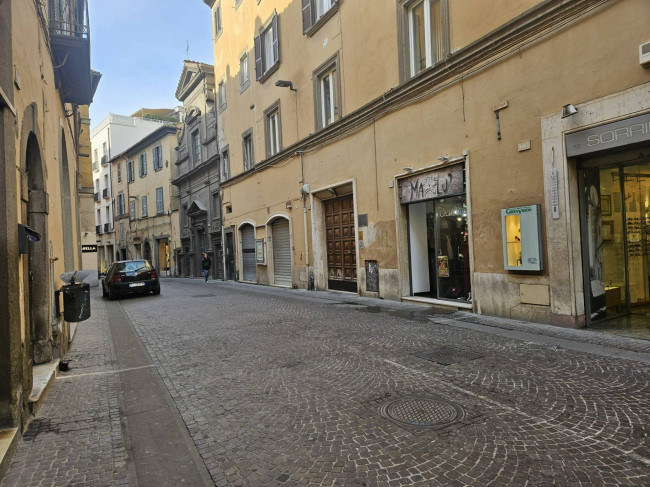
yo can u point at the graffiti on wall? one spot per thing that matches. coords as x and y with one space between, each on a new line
442 182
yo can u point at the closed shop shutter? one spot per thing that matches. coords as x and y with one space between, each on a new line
248 253
281 253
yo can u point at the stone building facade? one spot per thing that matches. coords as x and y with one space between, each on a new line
43 107
198 163
436 166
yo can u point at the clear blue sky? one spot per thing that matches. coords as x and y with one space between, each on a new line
139 47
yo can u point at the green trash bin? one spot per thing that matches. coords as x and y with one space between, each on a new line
76 302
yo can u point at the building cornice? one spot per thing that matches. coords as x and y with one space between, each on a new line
504 41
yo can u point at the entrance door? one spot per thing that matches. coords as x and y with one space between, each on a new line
248 253
439 249
341 246
615 227
281 252
230 256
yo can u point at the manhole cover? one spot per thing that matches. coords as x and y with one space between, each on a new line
422 412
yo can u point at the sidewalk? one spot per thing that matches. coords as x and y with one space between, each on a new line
76 438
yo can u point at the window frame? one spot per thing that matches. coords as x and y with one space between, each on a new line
119 172
251 163
263 72
405 8
157 157
130 171
142 164
132 210
144 209
311 24
196 147
222 104
269 140
243 84
218 24
160 202
332 64
225 163
120 204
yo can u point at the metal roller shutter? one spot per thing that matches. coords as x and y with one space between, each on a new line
248 253
281 253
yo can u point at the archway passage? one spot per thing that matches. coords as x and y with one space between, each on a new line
37 297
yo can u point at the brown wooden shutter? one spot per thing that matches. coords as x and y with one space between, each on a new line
259 68
306 15
276 40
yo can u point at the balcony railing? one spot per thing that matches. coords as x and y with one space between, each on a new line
105 193
96 197
70 41
98 229
107 227
104 160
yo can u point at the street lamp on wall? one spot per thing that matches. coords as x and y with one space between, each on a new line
285 84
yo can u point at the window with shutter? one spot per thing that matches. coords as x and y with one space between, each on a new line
144 206
267 50
315 13
159 201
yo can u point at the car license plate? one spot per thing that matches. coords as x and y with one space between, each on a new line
136 284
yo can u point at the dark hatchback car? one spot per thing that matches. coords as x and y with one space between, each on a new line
130 277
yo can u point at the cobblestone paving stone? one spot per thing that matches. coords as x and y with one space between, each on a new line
282 387
76 440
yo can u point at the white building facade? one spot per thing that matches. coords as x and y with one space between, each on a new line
110 137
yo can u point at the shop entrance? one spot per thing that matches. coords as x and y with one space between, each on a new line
615 227
439 249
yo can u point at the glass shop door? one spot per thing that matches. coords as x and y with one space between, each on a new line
615 227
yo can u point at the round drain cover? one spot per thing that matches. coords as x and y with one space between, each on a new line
423 412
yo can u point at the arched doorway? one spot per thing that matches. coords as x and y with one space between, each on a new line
37 264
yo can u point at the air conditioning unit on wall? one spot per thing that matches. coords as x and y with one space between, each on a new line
644 55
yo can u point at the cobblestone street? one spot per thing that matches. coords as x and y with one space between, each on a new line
287 387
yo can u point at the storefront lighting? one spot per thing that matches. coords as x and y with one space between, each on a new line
568 110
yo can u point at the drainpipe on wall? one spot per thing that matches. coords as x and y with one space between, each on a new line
310 285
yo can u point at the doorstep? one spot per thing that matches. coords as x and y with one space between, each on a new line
44 375
438 302
8 443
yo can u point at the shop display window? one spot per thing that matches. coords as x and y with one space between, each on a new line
522 245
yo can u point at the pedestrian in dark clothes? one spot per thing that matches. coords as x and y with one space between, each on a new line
206 263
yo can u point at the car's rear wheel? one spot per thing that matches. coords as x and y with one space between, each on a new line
156 291
111 294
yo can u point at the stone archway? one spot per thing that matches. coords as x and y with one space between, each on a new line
37 266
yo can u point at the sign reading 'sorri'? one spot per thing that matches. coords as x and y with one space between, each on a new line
446 181
617 134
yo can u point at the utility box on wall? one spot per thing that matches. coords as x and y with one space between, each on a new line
522 238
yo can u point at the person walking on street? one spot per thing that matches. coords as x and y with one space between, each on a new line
206 263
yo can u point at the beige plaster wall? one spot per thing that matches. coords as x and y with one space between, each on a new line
598 58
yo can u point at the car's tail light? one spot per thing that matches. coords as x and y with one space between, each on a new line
117 278
154 275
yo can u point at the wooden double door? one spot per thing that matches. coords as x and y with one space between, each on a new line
341 246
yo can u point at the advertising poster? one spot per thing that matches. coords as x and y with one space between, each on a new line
443 266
